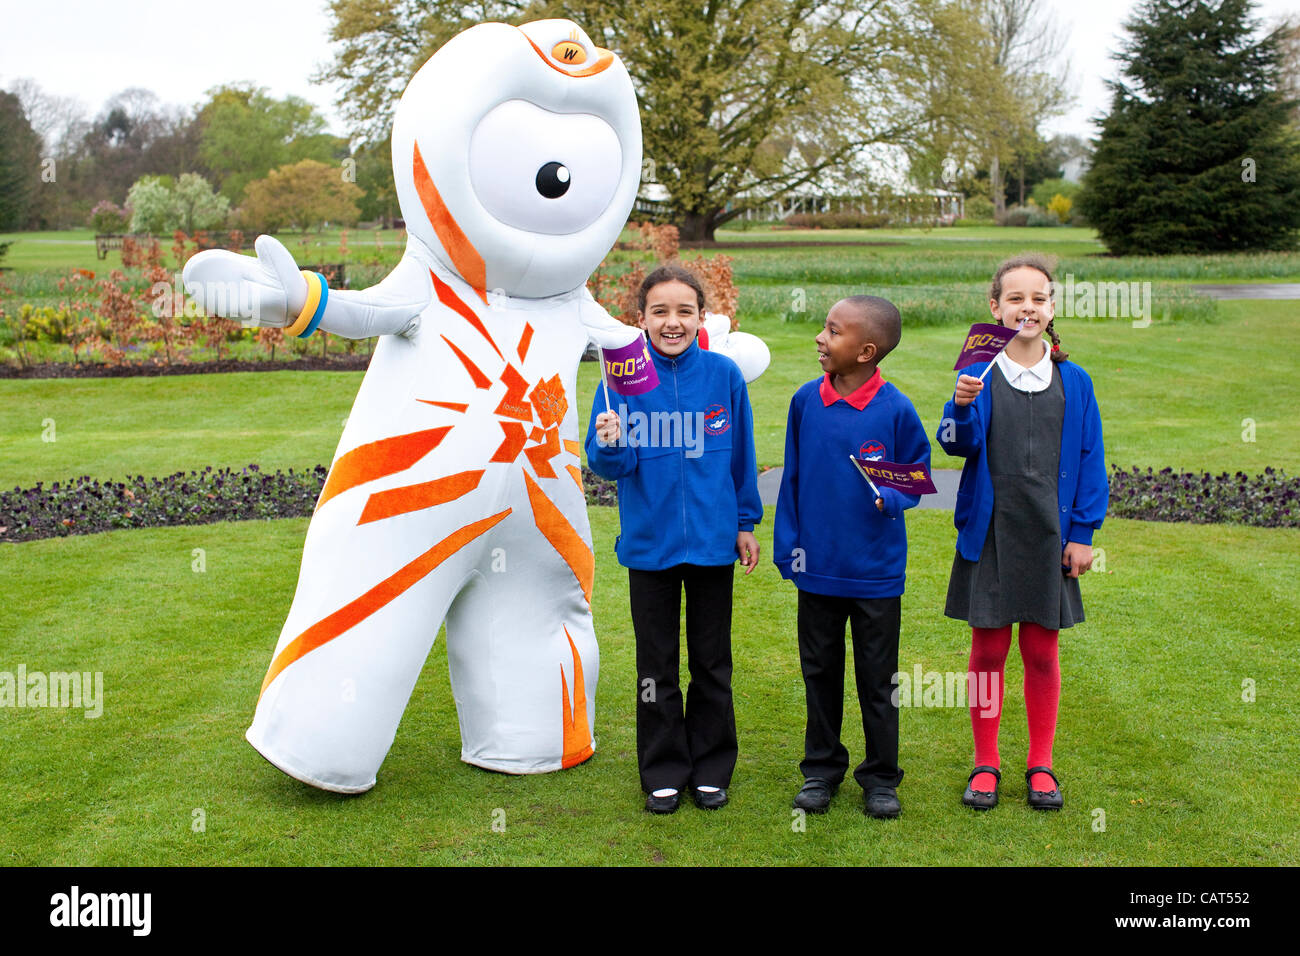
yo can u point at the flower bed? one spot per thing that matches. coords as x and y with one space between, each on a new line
139 317
308 363
1270 500
87 506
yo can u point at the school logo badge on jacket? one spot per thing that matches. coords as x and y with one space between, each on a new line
716 419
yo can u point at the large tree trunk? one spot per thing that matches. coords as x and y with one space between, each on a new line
999 189
696 227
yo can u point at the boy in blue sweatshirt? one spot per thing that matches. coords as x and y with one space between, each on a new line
683 455
846 549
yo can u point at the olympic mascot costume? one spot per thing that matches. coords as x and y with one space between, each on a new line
455 493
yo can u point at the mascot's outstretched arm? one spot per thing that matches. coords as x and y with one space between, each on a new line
602 328
271 291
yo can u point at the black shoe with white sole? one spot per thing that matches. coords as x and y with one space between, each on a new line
665 802
711 799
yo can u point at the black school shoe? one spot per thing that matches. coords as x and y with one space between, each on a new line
882 803
1044 799
667 804
815 796
709 800
982 799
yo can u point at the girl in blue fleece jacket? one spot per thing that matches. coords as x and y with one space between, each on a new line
683 456
1032 492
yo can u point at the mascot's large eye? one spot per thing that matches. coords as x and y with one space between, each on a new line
553 180
552 173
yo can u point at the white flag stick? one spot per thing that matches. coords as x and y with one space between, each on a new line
604 384
858 469
1000 351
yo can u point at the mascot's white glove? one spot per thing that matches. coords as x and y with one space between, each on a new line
747 351
271 291
268 291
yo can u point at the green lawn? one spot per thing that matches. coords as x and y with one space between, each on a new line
109 428
1172 394
1153 729
909 254
75 248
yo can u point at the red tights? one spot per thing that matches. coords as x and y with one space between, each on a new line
988 658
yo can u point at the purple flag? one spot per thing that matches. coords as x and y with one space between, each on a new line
629 370
909 479
983 342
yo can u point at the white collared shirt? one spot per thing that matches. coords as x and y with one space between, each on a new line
1036 378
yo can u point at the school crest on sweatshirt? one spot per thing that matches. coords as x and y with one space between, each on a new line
871 450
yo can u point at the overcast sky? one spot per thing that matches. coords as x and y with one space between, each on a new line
89 49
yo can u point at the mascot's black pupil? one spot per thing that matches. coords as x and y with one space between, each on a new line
553 180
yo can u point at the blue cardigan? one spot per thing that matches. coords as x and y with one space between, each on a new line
1082 488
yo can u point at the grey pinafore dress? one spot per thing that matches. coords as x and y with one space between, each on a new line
1019 576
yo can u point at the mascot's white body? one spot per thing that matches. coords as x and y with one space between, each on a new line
455 493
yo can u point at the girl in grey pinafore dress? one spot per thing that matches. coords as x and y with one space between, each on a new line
1019 575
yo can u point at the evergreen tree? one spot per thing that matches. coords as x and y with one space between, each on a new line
20 158
1197 154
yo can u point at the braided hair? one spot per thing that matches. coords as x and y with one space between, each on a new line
1031 261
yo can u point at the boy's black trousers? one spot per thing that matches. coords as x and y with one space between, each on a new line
697 748
874 623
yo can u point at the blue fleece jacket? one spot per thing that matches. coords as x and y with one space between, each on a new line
829 537
1082 488
684 462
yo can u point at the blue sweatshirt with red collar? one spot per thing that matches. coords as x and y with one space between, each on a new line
684 462
1082 488
829 537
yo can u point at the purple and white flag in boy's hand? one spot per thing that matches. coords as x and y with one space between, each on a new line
629 370
983 343
909 479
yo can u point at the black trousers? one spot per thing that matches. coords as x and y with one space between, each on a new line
697 748
874 623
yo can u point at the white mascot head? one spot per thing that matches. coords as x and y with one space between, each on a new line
517 156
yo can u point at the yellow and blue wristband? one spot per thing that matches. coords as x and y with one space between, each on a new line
318 293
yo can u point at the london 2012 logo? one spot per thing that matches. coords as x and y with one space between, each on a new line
716 419
871 451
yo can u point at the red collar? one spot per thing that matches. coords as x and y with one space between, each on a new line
859 398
